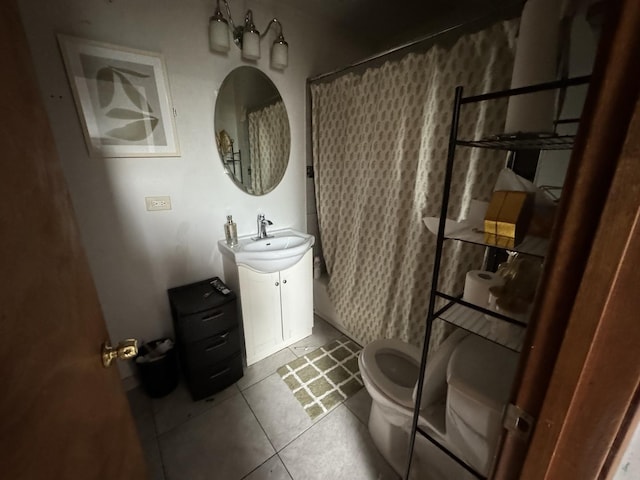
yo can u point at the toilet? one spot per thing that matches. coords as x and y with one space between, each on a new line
479 378
389 370
467 384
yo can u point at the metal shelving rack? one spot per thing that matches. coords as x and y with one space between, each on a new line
231 159
456 311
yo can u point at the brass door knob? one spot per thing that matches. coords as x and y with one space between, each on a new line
126 349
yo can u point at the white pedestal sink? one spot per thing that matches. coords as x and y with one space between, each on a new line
281 250
274 279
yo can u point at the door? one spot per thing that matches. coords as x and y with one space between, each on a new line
296 292
586 321
260 313
62 414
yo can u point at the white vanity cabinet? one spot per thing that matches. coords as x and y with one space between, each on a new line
277 308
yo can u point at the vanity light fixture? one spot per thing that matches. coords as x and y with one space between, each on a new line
246 37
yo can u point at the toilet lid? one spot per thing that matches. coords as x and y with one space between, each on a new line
483 370
393 367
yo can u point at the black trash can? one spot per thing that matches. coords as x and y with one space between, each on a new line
158 369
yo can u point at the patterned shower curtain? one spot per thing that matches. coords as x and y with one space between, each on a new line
269 146
379 149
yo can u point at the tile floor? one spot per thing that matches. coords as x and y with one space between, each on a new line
256 430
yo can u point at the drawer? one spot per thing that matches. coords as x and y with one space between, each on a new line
206 381
212 349
205 324
197 297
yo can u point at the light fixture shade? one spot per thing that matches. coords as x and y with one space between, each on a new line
279 55
251 45
218 35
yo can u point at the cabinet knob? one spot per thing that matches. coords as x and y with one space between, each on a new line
284 281
277 283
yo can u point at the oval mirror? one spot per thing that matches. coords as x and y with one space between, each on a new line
252 130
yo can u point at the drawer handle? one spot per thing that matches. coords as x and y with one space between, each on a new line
222 339
212 317
219 373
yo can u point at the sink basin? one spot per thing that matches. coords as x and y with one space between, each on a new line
276 244
283 249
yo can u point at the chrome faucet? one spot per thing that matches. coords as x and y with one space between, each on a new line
262 226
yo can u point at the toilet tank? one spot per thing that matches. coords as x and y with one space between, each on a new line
479 378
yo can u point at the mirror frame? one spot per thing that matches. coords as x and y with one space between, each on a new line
247 90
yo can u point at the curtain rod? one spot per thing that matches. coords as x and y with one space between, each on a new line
413 43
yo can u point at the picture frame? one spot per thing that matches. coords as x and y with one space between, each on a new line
122 97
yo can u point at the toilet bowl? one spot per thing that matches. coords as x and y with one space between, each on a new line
389 370
467 378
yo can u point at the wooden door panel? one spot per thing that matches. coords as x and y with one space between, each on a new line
62 415
595 381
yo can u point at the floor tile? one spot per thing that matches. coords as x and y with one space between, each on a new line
225 442
272 469
151 451
360 405
277 410
139 402
338 446
322 334
262 369
178 406
225 436
431 463
142 413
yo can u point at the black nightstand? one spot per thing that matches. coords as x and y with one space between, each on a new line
208 337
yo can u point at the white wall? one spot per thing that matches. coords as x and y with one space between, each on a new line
136 255
552 166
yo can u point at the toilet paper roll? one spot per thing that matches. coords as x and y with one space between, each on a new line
477 284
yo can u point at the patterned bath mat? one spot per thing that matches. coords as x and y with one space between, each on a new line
324 378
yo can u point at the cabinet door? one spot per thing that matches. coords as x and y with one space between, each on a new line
260 312
297 299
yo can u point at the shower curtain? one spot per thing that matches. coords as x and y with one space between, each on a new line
269 146
379 149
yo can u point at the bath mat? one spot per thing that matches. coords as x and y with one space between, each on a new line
323 379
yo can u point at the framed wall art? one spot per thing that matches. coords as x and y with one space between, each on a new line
122 97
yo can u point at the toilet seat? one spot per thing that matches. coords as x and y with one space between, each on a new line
381 358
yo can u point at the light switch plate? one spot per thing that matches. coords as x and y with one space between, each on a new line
158 203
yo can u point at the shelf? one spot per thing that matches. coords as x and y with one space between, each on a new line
492 313
559 142
498 331
536 246
490 325
554 85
